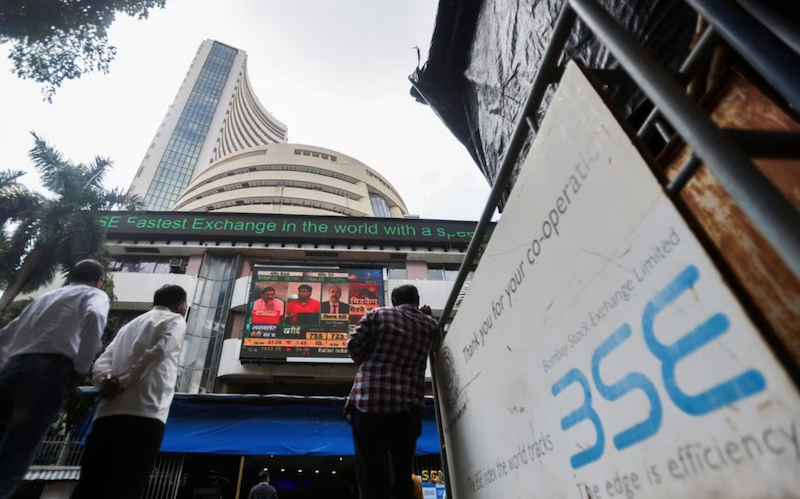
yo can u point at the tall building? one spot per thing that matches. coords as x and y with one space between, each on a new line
292 179
218 149
215 113
249 215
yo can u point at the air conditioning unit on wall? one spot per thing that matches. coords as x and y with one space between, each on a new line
177 265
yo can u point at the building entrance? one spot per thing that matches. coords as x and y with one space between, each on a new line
303 477
206 476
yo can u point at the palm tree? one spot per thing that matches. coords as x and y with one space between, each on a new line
15 199
59 228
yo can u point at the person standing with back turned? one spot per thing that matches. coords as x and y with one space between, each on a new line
47 350
390 346
136 377
263 489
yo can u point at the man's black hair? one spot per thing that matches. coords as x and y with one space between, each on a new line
268 288
263 475
168 296
405 295
305 286
88 271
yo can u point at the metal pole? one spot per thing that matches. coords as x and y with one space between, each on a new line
239 480
776 218
700 56
776 62
684 175
785 29
542 80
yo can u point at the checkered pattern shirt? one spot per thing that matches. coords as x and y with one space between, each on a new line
390 346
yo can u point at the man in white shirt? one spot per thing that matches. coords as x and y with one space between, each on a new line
136 378
44 352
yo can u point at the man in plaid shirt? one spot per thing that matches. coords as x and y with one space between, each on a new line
390 346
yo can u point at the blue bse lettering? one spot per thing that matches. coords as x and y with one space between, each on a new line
742 386
632 381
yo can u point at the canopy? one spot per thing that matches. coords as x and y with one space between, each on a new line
244 426
484 56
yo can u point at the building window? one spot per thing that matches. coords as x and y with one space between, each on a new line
147 266
189 134
162 266
208 318
436 274
380 208
130 265
398 273
144 264
444 273
450 275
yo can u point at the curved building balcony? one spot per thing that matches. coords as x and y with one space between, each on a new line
247 123
292 179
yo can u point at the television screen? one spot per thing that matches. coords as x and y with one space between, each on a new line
305 314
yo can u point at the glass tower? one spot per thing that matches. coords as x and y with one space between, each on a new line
180 157
202 345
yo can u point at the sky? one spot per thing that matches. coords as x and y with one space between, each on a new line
335 72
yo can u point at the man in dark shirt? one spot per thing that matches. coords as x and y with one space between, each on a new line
263 490
390 346
334 305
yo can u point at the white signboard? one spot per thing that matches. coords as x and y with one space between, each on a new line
598 353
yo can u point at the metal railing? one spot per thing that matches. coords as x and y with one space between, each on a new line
59 453
762 42
166 478
164 481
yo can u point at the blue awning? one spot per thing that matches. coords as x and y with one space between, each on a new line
246 426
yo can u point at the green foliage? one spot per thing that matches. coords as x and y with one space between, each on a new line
13 311
57 229
52 231
15 199
58 40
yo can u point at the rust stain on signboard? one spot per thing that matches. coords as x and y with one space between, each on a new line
765 278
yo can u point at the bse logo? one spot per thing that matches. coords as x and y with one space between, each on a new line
449 382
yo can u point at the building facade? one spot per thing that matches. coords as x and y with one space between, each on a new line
214 113
219 150
232 211
257 393
292 179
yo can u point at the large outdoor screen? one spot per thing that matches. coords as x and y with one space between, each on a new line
302 315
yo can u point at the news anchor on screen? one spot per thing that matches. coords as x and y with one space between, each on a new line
303 310
267 309
334 304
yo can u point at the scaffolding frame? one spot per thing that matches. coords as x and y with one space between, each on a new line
768 43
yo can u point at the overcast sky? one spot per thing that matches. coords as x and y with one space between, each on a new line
334 71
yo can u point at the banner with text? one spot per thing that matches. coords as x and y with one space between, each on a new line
307 314
286 228
599 353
